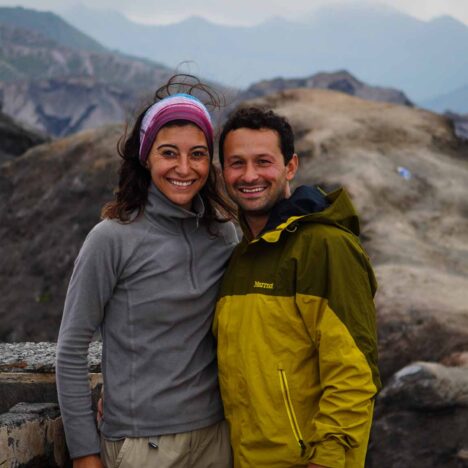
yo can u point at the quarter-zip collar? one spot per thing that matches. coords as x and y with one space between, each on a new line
159 210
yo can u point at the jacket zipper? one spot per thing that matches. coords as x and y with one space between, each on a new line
290 410
192 276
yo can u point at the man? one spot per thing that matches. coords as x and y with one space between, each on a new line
295 320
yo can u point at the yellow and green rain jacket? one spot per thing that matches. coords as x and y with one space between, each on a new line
296 332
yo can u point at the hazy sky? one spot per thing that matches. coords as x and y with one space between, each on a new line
242 11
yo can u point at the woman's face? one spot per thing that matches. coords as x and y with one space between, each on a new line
179 163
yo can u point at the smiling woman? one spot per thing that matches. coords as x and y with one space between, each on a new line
179 162
148 277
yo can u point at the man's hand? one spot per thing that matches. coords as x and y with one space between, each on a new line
90 461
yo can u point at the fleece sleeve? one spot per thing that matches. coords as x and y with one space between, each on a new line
338 310
91 285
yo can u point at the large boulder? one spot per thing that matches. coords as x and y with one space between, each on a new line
422 419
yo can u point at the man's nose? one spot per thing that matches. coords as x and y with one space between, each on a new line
250 174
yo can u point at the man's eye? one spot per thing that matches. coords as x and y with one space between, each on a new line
236 164
264 162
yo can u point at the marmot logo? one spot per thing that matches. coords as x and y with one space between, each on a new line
259 284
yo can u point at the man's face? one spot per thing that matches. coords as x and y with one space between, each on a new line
254 171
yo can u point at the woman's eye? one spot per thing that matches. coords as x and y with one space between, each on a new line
169 153
199 154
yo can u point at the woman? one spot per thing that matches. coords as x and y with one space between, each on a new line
148 276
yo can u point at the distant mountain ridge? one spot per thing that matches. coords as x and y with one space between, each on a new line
341 81
58 89
424 59
51 26
454 101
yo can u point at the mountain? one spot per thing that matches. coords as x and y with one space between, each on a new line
380 45
59 89
61 106
341 81
49 25
454 101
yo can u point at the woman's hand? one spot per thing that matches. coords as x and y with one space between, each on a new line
90 461
100 410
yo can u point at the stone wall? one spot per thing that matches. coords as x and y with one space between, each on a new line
31 430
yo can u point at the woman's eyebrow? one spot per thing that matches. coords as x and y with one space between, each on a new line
167 144
176 147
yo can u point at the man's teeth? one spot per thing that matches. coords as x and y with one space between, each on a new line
252 190
180 183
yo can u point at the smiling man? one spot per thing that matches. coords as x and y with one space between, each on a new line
295 321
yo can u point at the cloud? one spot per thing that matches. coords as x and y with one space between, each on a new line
243 11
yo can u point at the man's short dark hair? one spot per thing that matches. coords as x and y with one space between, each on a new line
256 118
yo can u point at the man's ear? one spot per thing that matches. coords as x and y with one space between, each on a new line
291 167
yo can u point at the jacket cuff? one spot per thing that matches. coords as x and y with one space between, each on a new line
329 453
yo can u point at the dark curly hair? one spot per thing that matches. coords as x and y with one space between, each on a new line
256 118
132 193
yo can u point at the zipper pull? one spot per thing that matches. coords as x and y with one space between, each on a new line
303 447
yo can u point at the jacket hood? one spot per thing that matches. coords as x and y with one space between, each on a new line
311 204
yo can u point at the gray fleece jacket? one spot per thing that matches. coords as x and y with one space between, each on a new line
151 287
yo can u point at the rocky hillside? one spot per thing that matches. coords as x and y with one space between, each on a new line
15 139
341 81
49 199
61 106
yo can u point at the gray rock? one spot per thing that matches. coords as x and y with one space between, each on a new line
40 357
460 124
424 385
43 409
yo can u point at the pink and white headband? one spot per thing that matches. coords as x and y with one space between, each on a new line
175 107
